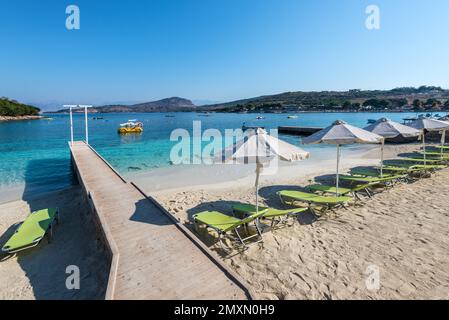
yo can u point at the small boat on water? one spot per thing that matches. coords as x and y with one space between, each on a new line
260 118
292 117
132 126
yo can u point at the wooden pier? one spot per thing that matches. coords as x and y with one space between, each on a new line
152 255
298 131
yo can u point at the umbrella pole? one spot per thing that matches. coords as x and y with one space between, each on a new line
382 158
338 169
443 139
258 169
424 146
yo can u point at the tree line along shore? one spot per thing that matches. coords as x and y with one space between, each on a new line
406 99
13 110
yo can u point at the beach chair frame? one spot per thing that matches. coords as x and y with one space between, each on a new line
275 220
325 206
239 238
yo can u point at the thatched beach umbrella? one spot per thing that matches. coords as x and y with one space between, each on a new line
388 130
431 125
340 133
258 147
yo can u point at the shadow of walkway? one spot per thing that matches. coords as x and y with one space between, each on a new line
74 242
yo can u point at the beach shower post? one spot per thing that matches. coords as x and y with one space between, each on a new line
71 121
85 121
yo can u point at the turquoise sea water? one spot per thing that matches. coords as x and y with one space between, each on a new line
35 153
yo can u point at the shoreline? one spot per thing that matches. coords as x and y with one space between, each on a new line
170 179
20 118
283 112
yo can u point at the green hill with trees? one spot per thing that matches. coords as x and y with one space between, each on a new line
12 108
424 98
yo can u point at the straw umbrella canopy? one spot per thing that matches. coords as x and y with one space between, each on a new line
389 129
258 147
431 125
340 133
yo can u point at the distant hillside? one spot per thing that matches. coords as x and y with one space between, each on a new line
12 108
399 99
174 104
424 98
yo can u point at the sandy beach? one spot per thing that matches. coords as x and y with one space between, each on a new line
40 273
402 232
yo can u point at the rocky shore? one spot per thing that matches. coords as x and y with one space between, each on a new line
5 118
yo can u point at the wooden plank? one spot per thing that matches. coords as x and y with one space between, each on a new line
154 257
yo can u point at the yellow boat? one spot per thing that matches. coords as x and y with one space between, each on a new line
132 126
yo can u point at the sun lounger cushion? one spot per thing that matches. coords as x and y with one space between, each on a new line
269 212
313 198
31 231
217 220
329 189
371 179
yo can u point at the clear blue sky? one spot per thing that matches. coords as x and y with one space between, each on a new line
217 50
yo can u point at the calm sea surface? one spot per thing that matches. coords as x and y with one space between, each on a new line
35 153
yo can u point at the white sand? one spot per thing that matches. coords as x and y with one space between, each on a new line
403 232
39 273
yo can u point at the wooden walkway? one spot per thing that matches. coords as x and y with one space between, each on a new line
152 255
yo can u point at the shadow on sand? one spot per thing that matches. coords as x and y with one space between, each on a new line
74 240
268 198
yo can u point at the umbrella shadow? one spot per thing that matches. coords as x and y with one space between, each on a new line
210 238
222 206
326 179
409 154
273 200
369 168
146 212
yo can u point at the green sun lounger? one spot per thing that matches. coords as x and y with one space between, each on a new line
342 191
419 160
312 199
441 147
30 232
411 168
275 215
224 224
373 180
435 155
367 172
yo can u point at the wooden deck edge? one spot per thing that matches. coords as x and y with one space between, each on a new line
104 233
107 163
210 254
112 246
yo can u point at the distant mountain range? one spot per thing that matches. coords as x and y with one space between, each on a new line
174 104
424 98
